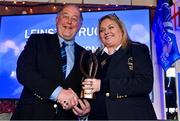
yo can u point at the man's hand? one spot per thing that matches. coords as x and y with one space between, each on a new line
67 98
83 109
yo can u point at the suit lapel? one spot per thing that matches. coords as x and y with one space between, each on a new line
54 52
77 53
54 45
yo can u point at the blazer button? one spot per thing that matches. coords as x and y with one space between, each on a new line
107 94
55 105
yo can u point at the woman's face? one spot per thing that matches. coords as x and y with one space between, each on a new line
110 33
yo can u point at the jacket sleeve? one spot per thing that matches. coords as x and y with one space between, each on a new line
29 75
140 82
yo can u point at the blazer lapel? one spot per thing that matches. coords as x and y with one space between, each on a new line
54 51
77 53
115 59
77 50
54 45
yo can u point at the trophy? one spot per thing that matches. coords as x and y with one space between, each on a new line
90 71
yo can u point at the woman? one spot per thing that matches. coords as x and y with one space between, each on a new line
125 75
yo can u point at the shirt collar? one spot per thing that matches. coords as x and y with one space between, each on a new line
69 43
106 50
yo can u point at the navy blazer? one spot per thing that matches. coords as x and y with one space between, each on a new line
39 71
129 77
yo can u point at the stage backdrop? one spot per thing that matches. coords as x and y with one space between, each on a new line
15 30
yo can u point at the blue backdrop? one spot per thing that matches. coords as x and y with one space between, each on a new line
15 30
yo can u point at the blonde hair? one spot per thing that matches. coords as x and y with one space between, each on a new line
113 17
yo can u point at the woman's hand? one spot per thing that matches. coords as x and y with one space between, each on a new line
92 84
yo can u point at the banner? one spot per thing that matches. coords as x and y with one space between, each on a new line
165 39
12 41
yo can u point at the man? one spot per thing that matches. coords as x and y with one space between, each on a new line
50 90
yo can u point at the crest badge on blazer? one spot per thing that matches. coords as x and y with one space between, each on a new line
130 63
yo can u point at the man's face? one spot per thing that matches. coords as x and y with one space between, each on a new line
68 22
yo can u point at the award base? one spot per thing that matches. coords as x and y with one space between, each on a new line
87 94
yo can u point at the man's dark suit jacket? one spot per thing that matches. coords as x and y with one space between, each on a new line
128 84
39 71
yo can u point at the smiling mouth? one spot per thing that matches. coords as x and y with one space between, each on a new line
108 37
66 27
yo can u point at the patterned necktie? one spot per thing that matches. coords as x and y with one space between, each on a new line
63 59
